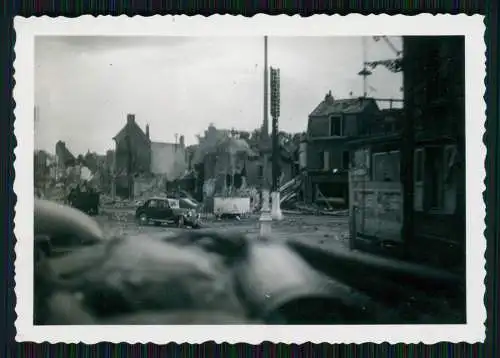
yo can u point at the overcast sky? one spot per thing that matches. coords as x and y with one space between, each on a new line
85 86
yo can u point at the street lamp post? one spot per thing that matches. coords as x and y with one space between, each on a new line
265 215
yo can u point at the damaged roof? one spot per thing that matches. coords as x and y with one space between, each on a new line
130 127
236 145
342 106
220 142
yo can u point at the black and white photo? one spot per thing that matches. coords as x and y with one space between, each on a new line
290 183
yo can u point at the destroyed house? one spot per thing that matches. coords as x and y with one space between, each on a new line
331 124
132 148
64 157
132 156
169 159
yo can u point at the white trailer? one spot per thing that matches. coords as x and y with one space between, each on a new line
232 206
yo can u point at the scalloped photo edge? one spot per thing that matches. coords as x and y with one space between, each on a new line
472 27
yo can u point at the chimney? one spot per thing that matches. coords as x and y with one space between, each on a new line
181 141
329 97
130 118
147 130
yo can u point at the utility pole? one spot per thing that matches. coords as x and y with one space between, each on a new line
275 113
265 216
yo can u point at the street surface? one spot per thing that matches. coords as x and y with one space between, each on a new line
322 230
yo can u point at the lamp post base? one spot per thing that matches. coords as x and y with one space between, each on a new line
265 224
265 216
276 213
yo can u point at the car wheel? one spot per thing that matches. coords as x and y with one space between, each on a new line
143 219
180 222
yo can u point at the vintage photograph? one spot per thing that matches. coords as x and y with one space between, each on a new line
251 180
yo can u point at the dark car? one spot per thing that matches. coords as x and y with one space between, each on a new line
167 210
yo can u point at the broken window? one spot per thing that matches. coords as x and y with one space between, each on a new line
335 126
321 160
237 181
324 160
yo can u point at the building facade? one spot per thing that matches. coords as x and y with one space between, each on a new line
434 80
132 148
408 182
331 125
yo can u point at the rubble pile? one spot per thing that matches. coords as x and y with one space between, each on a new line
290 200
150 193
118 203
149 187
106 199
289 192
121 216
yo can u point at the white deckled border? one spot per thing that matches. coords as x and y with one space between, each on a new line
320 25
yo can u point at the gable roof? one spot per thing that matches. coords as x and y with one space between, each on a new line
130 127
342 106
